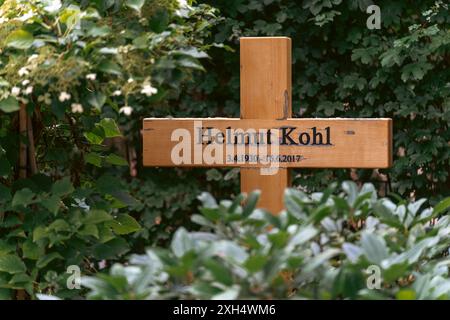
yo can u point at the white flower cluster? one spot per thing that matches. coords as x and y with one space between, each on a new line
148 90
126 110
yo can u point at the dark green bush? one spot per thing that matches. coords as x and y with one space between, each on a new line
321 247
84 72
343 69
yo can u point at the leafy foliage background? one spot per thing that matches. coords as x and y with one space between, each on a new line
343 69
88 72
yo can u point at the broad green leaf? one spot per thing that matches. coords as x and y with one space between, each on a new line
62 187
441 206
93 157
159 21
98 31
59 225
45 260
6 294
31 250
96 136
96 216
124 224
110 128
219 271
96 99
110 67
6 247
19 39
255 263
9 104
111 249
374 247
116 160
23 197
135 4
11 263
5 193
52 203
39 233
89 230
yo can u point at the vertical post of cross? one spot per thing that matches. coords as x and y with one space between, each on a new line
266 94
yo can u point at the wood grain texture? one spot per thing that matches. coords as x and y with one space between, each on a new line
266 93
265 78
353 143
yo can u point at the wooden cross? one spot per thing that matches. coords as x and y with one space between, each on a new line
266 106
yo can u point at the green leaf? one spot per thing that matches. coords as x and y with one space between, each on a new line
6 247
31 250
89 230
441 206
95 216
52 204
11 263
124 224
94 158
374 248
18 280
250 203
96 136
111 249
219 271
181 242
255 263
98 31
9 104
5 294
19 39
109 184
5 168
110 128
39 233
159 21
135 4
62 187
96 99
108 66
23 197
45 260
59 225
116 160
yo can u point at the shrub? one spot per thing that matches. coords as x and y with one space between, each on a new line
320 247
343 69
77 75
